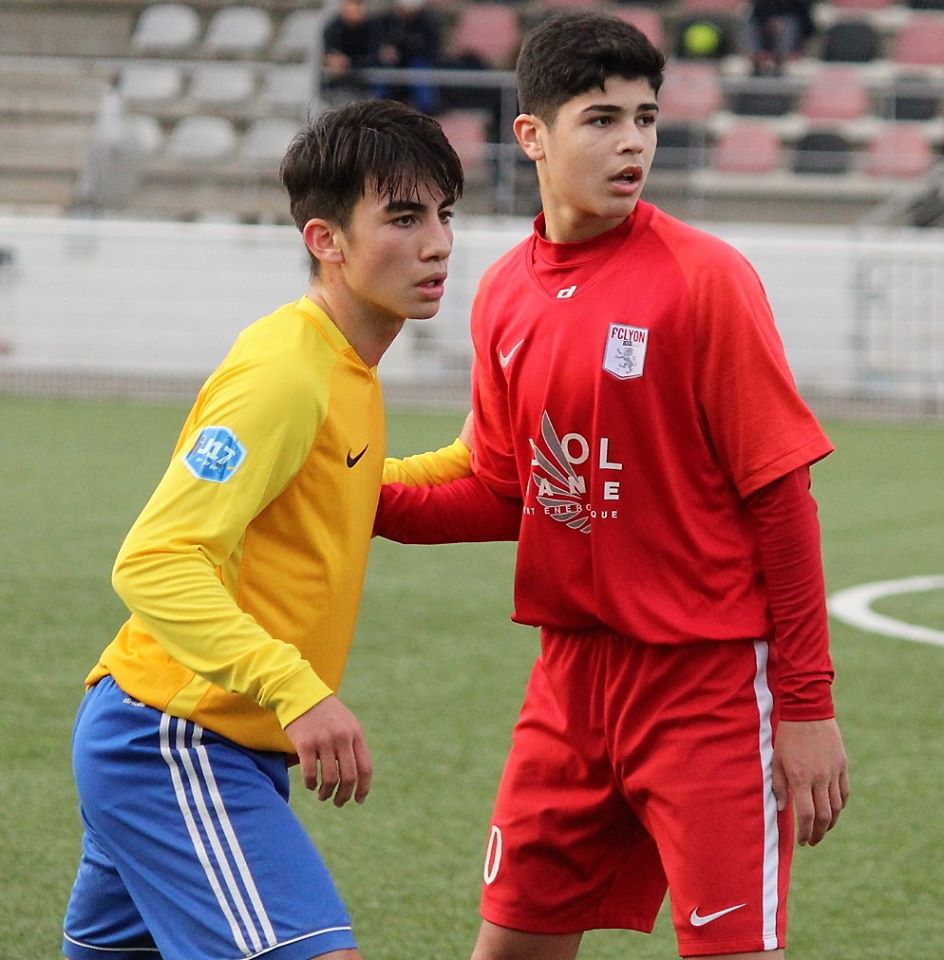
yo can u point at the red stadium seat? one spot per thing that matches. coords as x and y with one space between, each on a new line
571 4
920 42
467 131
646 19
748 148
489 30
899 150
835 93
734 7
863 4
692 91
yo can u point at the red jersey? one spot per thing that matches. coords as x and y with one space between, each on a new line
632 390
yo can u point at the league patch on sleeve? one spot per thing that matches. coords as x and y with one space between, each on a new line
216 455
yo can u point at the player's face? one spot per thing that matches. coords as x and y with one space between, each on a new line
593 159
396 254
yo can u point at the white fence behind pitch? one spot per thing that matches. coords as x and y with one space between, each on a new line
128 307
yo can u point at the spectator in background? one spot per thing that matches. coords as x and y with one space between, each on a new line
411 39
352 40
776 31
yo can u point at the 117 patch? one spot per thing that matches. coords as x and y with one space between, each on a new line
216 454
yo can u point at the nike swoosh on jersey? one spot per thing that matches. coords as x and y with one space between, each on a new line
505 358
697 920
352 461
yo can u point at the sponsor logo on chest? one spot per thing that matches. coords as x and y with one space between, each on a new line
625 353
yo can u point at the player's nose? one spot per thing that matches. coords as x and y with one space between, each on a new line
438 243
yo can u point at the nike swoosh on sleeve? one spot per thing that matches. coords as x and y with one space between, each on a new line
505 358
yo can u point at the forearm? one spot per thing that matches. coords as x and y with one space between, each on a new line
437 466
784 515
175 593
462 511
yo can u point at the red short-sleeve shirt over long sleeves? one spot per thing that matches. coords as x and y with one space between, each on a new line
633 390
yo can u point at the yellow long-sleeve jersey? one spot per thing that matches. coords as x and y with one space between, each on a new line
244 571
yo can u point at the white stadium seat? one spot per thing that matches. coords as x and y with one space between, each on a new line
266 141
168 28
298 33
238 32
150 82
222 84
202 139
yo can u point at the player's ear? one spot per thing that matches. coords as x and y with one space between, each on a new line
321 238
529 132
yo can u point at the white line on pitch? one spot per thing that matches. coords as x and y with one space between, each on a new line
854 607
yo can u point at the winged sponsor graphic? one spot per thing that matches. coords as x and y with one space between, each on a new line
560 490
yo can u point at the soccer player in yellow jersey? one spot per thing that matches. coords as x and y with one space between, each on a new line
243 575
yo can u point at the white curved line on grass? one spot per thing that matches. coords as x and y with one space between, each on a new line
853 606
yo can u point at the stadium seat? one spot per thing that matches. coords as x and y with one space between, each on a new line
238 32
202 139
856 5
681 147
266 140
288 87
850 41
166 28
912 98
146 82
835 93
222 84
733 7
920 42
488 30
926 4
899 150
147 133
297 33
762 97
822 152
467 131
646 19
748 148
692 91
572 5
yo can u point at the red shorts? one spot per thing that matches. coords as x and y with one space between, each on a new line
635 767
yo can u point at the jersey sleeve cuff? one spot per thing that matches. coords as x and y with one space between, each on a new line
811 701
304 691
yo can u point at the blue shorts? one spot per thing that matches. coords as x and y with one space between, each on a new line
190 851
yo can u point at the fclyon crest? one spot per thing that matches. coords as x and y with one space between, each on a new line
625 353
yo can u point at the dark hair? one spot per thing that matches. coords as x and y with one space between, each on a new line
371 144
571 53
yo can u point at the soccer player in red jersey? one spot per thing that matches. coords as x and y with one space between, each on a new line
638 430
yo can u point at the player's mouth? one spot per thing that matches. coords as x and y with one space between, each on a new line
628 180
433 286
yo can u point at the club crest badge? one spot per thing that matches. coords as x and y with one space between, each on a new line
216 454
625 354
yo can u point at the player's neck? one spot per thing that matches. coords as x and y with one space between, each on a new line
568 225
368 332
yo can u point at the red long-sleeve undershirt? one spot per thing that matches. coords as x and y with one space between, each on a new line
788 538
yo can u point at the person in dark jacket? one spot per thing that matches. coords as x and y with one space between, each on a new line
776 31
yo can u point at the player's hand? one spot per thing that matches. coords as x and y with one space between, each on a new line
467 435
332 751
810 764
